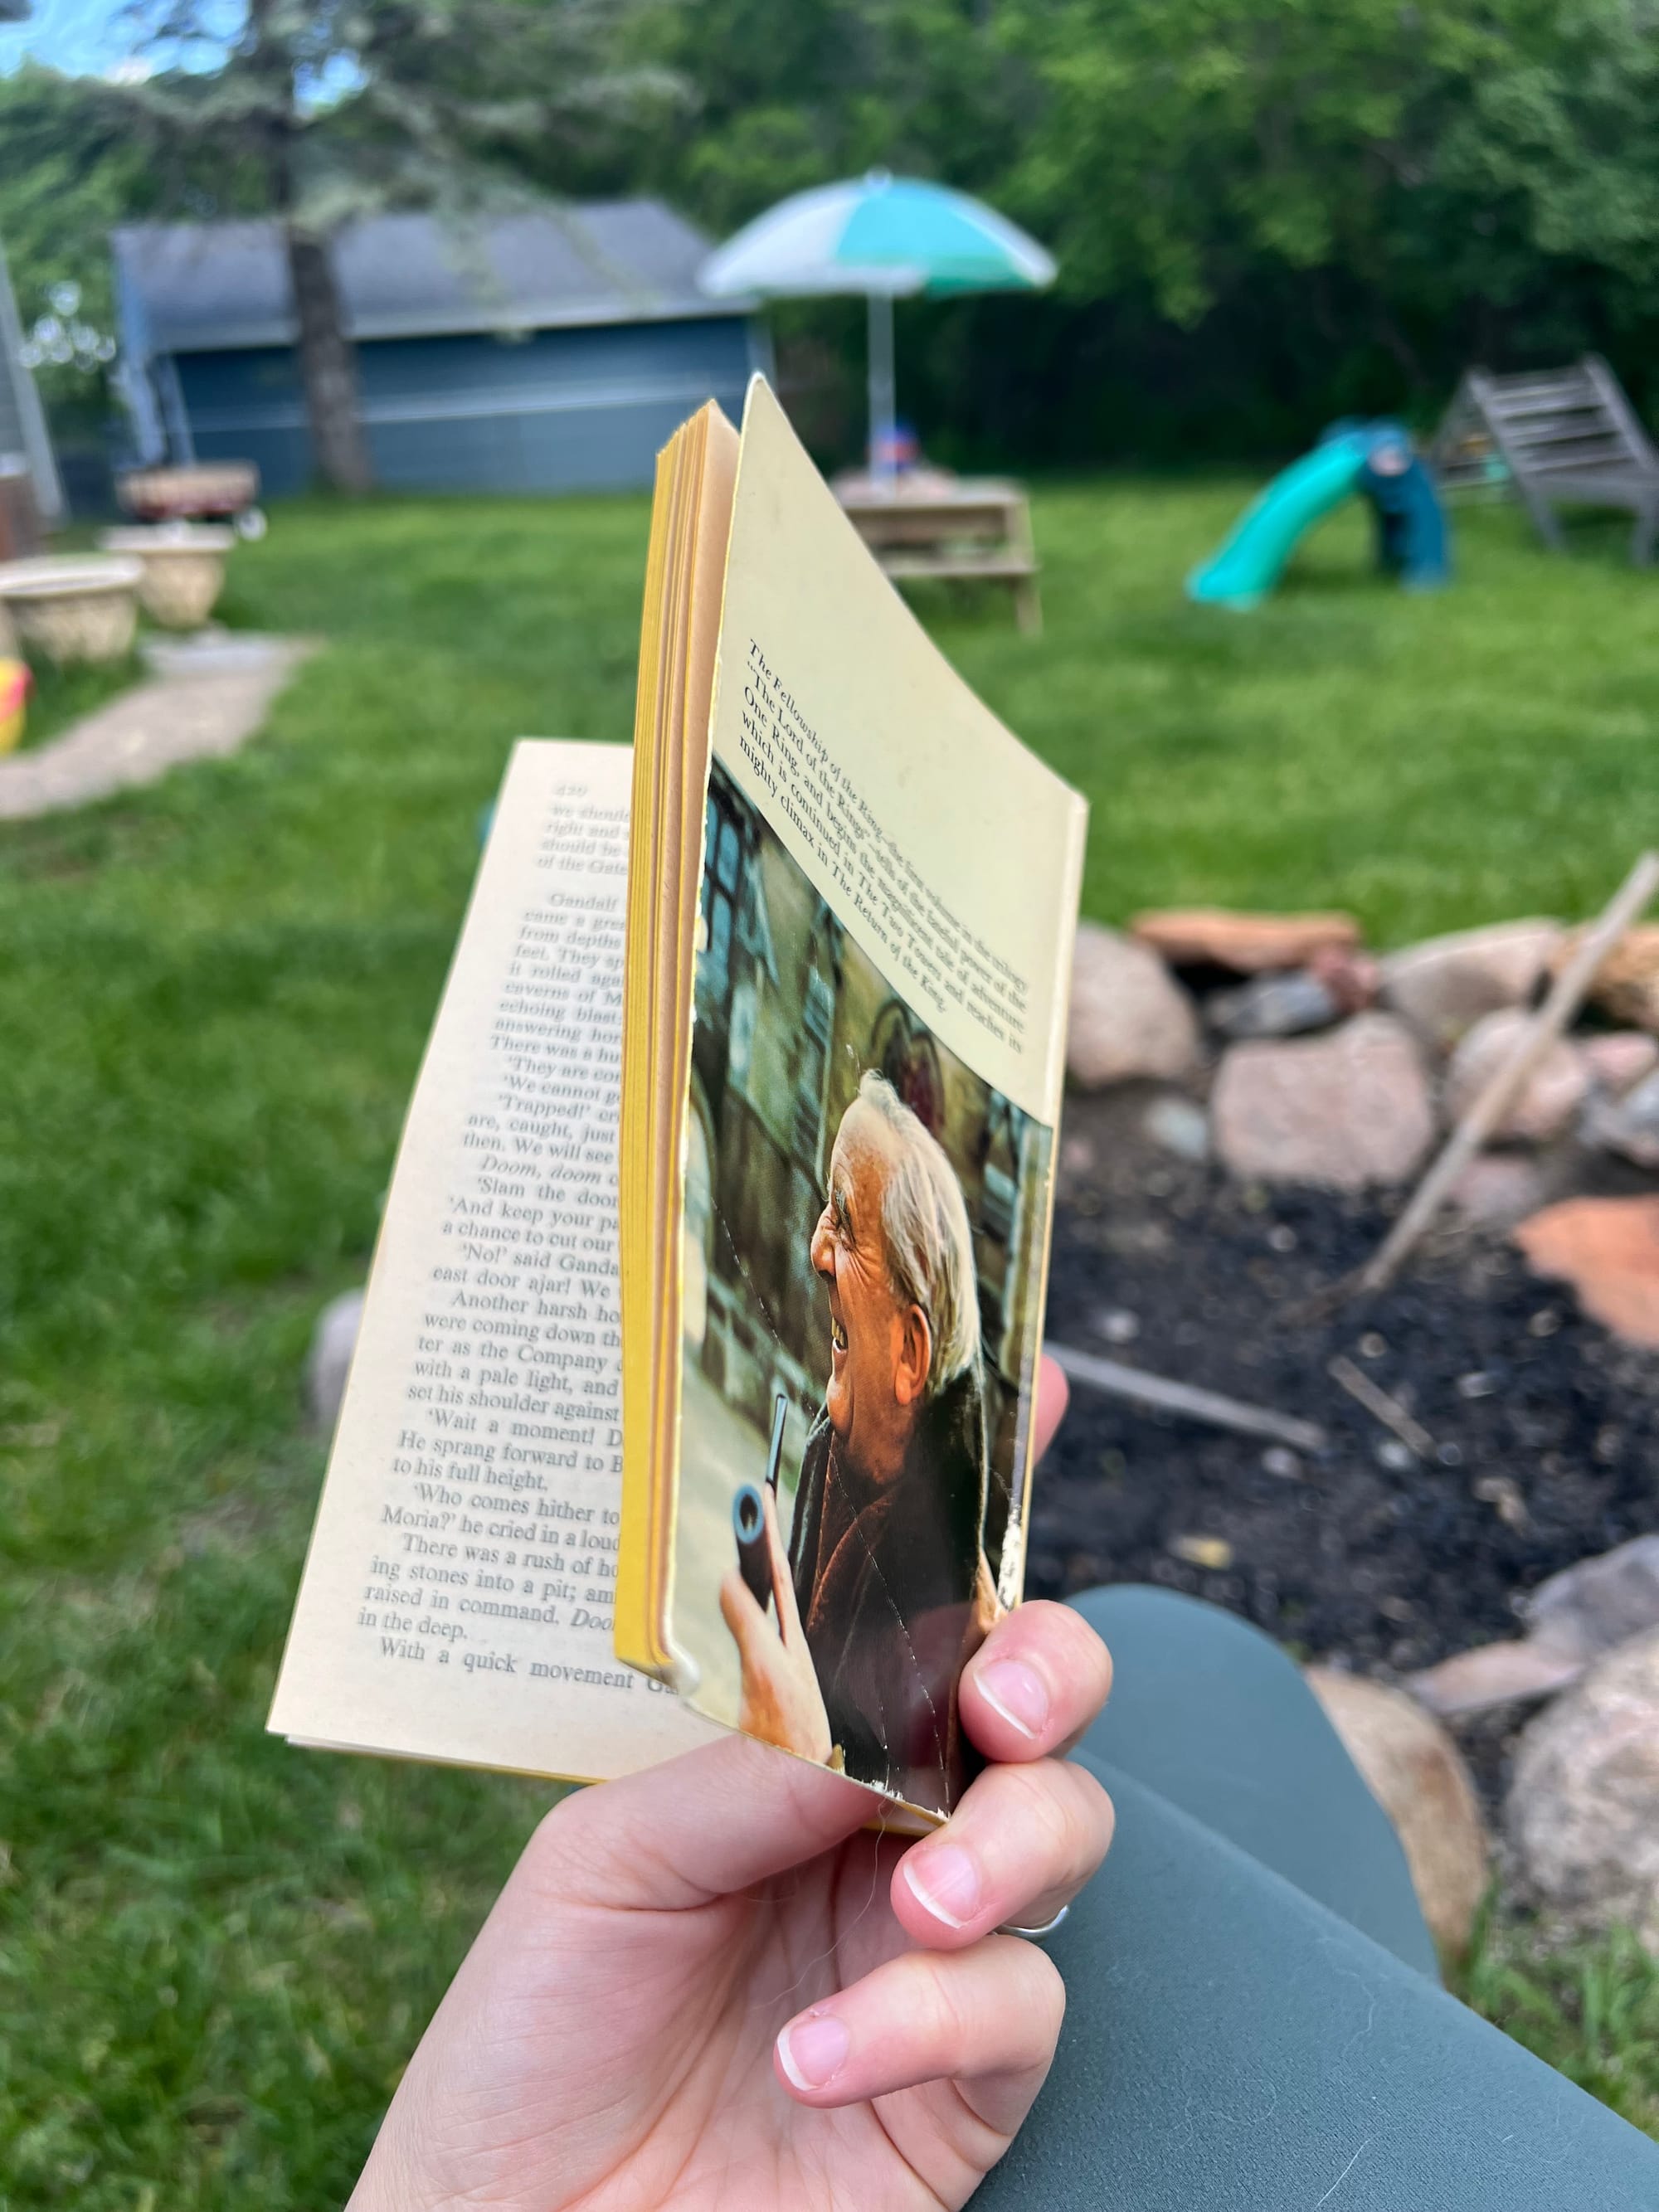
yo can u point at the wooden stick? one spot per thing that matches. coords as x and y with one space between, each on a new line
1381 1407
1487 1110
1209 1406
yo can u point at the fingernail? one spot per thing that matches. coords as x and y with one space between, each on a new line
813 2049
945 1878
1016 1691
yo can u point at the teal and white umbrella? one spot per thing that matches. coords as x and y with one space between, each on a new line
889 238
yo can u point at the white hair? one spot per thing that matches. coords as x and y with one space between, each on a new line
930 1245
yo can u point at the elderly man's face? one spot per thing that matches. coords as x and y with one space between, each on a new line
879 1351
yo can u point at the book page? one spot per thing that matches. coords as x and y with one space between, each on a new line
952 851
456 1597
888 905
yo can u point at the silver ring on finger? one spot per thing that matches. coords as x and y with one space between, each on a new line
1036 1934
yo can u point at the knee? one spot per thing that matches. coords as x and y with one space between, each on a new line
1141 1622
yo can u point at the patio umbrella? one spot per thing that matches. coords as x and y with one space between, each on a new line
888 238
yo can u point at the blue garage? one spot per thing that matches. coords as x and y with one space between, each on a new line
542 351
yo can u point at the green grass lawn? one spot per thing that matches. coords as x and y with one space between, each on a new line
216 1951
61 696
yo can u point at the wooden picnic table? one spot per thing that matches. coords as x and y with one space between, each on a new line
964 529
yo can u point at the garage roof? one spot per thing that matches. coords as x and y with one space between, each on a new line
190 288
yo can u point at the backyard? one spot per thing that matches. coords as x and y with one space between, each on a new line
215 1951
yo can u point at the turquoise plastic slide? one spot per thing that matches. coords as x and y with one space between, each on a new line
1252 558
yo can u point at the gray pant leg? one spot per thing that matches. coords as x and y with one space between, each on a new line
1212 1715
1235 2043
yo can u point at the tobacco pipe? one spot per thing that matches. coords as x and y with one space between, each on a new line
749 1516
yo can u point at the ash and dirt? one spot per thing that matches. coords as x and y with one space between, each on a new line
1546 1428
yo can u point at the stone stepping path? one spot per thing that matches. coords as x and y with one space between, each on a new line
206 697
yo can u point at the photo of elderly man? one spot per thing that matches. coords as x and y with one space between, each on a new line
884 1591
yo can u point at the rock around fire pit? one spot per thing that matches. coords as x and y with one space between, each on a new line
1483 1431
1344 1070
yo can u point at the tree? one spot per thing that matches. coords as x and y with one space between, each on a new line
68 172
1267 212
1346 200
1186 144
327 110
784 97
1560 145
63 182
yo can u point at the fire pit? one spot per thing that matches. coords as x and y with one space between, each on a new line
1543 1428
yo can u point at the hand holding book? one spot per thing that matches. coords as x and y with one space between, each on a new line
609 2035
727 1184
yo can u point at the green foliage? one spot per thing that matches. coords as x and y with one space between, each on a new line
1267 212
68 174
1350 197
72 166
61 696
340 108
216 1951
781 99
1185 144
67 171
1422 150
1561 136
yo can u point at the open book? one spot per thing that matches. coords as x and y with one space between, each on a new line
696 1375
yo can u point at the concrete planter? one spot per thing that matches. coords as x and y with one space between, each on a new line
184 570
73 606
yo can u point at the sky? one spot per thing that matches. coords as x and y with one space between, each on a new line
91 38
78 36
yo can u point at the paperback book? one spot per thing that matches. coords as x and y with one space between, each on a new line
696 1375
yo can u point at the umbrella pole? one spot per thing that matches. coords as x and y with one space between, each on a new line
881 388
